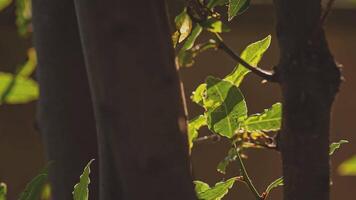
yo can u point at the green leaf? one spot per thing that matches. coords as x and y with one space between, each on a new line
17 90
336 145
186 58
193 128
199 94
23 17
34 188
215 26
27 69
225 107
237 7
269 120
348 167
252 55
204 192
231 156
3 191
277 183
183 25
4 4
81 191
189 43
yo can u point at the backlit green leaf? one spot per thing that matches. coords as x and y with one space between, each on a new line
3 191
81 191
204 192
193 128
269 120
348 167
199 94
17 90
225 107
23 16
4 4
252 55
231 156
336 145
237 7
33 189
277 183
189 43
215 26
27 69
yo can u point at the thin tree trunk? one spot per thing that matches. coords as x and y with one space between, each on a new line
137 99
66 118
309 80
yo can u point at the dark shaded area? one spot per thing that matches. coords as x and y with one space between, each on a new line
22 156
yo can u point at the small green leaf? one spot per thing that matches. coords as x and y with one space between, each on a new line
336 145
215 26
199 94
189 43
3 191
231 156
183 25
204 192
34 188
225 106
27 69
277 183
186 58
4 4
81 191
17 90
252 55
193 128
269 120
237 7
348 167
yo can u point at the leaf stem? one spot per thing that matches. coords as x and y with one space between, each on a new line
246 177
327 11
266 75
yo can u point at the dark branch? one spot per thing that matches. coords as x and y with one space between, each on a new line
327 10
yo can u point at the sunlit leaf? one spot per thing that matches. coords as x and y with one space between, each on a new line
237 7
187 58
277 183
189 43
81 191
225 106
269 120
215 26
252 55
4 4
3 191
193 128
231 156
46 192
199 94
27 69
34 188
204 192
183 25
17 90
336 145
348 167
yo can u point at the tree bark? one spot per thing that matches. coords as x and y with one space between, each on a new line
137 100
309 80
65 114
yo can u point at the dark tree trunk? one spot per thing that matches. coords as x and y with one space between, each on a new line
66 118
309 81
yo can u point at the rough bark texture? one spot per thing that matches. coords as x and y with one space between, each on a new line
309 81
66 118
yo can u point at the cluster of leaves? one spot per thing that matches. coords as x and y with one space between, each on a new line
225 109
23 14
38 189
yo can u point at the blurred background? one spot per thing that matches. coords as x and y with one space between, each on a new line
21 152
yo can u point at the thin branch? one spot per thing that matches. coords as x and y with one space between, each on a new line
328 8
246 177
266 75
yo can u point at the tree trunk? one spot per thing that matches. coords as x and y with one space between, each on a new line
137 99
66 118
309 79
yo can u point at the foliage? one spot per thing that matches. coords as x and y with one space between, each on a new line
205 192
348 167
81 191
